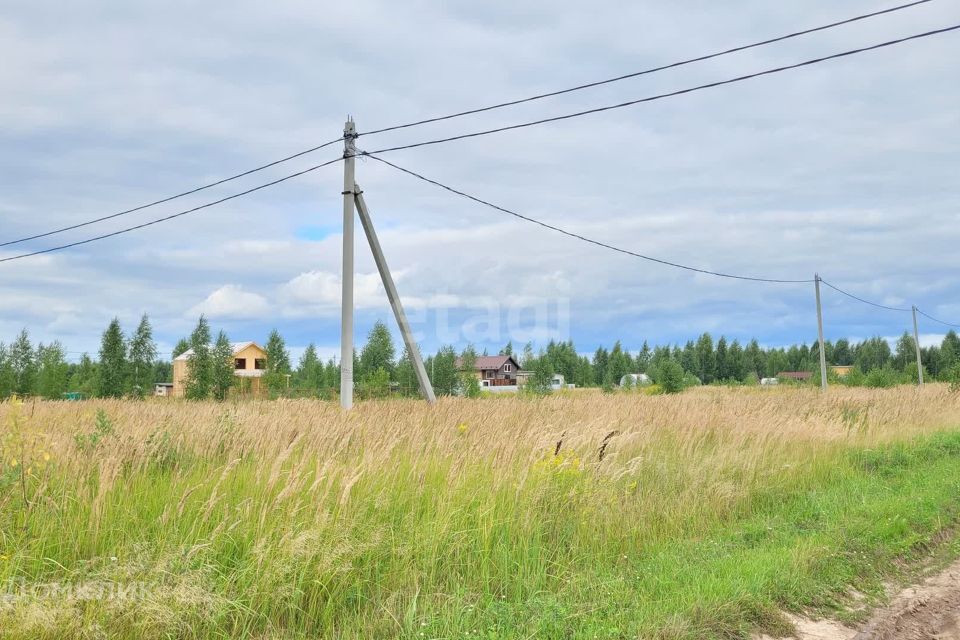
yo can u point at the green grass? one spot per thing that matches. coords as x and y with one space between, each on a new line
674 548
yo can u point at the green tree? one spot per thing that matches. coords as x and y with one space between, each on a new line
84 378
443 372
735 358
527 356
669 375
873 353
643 358
721 358
619 363
600 361
754 360
199 370
52 371
162 371
379 352
905 352
331 375
584 374
143 354
469 385
7 378
949 352
376 384
113 369
23 365
542 376
690 357
707 358
278 363
841 353
221 367
182 346
310 371
406 376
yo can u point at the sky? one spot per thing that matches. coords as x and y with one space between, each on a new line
847 169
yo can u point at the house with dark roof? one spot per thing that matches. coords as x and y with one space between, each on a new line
795 375
495 370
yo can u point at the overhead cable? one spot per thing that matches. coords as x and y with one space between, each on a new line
169 198
500 105
171 217
669 94
577 235
644 72
863 300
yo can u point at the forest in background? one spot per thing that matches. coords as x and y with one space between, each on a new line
129 365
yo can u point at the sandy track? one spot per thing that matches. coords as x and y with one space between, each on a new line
928 611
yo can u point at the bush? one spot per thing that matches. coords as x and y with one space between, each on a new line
469 385
87 442
953 377
855 378
607 385
539 383
670 377
375 384
910 373
882 378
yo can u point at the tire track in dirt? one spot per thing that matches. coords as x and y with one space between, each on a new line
928 611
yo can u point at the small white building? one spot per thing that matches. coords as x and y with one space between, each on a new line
769 382
635 380
163 389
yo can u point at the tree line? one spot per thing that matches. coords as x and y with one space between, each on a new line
128 366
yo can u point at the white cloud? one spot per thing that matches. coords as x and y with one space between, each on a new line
319 292
231 301
843 168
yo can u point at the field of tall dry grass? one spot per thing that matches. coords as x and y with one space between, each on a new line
580 515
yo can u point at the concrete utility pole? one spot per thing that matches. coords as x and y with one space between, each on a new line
426 388
916 343
823 353
346 301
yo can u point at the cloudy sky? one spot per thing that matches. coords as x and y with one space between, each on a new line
848 168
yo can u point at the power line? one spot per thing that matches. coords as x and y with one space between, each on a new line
644 72
175 215
859 299
928 316
670 94
474 111
577 235
169 198
633 253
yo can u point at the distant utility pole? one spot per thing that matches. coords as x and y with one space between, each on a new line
346 300
916 343
353 197
823 353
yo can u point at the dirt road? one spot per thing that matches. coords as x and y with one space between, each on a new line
928 611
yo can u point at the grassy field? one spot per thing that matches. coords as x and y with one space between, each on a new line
580 516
